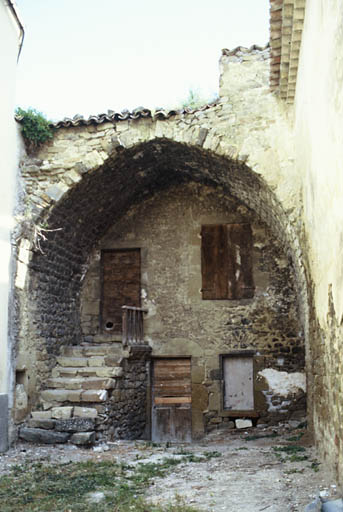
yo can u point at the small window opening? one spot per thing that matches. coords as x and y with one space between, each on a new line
20 377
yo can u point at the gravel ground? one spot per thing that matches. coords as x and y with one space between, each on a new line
242 475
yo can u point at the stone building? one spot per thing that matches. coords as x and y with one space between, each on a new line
218 230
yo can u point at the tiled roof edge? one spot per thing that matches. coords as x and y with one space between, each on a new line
113 117
242 49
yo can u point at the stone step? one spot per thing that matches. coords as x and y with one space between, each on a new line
64 413
39 435
87 350
81 383
87 371
76 395
81 362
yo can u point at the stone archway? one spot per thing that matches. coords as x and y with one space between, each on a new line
82 216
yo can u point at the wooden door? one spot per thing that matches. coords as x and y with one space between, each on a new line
121 285
171 400
238 383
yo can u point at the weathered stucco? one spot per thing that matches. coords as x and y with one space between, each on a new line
319 136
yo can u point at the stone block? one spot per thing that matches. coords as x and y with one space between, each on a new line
243 423
64 383
98 383
83 438
55 395
73 361
96 361
41 415
46 424
85 412
62 412
199 397
75 425
38 435
100 395
74 396
3 422
198 374
109 372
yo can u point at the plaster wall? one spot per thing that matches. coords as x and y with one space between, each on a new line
319 136
8 168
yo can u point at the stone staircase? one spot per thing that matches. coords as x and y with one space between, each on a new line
73 405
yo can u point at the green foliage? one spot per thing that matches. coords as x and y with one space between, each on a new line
36 129
194 100
37 487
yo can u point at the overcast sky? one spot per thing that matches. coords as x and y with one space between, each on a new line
87 56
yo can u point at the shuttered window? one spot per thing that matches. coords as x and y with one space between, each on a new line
121 285
226 261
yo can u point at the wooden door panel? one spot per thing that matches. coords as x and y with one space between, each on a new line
182 418
161 424
171 400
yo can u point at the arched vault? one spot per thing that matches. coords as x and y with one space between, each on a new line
83 215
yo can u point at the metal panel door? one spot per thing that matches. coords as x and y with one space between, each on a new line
171 400
238 383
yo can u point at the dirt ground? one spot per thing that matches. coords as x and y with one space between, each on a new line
237 470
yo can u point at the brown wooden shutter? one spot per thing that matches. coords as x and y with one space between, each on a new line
214 260
121 285
226 261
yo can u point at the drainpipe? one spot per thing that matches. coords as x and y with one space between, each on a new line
15 14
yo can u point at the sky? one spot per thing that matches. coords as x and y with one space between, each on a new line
88 56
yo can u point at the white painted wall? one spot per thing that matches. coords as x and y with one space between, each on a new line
9 47
319 139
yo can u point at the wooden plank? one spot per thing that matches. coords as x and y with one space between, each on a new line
174 390
173 400
214 262
226 261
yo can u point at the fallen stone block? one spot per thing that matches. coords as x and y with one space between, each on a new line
75 425
83 438
243 423
85 412
38 435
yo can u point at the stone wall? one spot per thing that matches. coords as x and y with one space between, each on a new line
179 322
92 173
